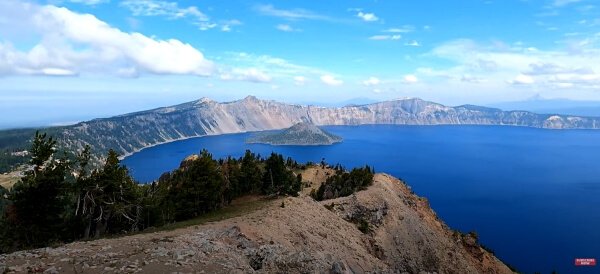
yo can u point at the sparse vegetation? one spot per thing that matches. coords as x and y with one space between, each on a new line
364 226
344 183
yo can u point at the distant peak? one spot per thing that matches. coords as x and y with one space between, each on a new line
250 98
204 100
536 97
408 99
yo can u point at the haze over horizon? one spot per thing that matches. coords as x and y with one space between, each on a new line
70 60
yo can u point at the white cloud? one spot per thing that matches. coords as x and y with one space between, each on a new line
172 11
372 81
576 67
249 75
292 14
367 17
331 81
286 28
560 3
546 68
100 48
226 26
385 37
299 80
90 2
413 43
403 29
274 66
472 79
410 79
522 79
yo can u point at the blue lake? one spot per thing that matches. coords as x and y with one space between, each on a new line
532 195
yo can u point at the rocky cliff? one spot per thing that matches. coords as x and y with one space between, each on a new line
403 235
131 132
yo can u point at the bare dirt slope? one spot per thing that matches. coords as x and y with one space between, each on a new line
403 235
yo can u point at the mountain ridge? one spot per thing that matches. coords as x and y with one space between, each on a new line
132 132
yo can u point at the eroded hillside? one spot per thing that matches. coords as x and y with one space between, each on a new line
384 229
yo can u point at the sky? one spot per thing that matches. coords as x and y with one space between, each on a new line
63 61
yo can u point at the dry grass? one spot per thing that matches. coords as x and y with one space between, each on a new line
238 207
8 180
315 175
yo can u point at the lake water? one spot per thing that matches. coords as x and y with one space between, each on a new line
532 195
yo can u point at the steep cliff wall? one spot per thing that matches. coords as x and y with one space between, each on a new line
131 132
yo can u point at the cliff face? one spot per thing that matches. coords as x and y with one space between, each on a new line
131 132
403 235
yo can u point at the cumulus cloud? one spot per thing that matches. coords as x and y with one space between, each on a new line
330 80
74 43
367 17
410 79
372 81
385 37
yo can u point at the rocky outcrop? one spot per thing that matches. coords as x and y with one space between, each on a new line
132 132
300 134
403 236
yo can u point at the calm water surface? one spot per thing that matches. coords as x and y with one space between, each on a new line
532 195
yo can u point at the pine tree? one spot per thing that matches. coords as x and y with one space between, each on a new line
251 174
198 189
39 201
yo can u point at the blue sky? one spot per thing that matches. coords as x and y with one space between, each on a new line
67 60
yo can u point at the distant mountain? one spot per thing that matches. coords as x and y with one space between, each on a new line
302 134
553 106
131 132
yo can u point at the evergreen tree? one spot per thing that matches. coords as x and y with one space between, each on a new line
251 173
108 199
37 216
197 189
232 175
4 201
277 179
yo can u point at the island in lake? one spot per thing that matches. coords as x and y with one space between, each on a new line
300 134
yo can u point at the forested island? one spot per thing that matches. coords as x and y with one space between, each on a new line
300 134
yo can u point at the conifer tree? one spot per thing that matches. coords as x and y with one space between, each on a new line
251 173
40 199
